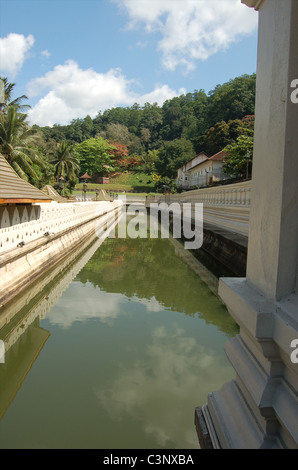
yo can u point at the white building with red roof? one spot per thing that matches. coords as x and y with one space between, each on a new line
202 171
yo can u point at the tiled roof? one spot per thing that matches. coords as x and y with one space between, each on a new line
220 156
85 175
53 194
15 190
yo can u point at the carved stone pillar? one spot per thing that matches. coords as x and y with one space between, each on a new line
259 409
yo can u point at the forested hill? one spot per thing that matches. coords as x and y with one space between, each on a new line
190 123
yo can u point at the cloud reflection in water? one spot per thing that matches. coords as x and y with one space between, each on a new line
176 369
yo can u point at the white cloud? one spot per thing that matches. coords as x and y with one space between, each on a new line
191 29
175 369
104 307
13 52
160 94
70 92
46 53
142 44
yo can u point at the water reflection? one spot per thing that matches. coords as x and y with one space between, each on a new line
148 269
149 389
20 321
113 349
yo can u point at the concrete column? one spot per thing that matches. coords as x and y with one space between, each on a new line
273 232
259 409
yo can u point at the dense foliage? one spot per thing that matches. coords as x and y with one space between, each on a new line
151 138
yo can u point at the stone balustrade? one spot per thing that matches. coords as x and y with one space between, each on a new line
226 207
23 224
237 194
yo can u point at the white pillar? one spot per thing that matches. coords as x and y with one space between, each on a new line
273 235
259 409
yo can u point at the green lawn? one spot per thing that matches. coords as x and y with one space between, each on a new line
127 181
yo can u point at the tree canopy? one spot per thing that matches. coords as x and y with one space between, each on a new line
94 155
150 138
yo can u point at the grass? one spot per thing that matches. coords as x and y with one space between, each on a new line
127 181
128 193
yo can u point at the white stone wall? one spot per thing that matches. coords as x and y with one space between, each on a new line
57 231
23 224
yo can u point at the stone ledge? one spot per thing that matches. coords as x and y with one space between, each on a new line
261 357
235 421
261 317
21 271
12 254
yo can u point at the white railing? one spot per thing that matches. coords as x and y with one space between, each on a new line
237 194
22 224
226 207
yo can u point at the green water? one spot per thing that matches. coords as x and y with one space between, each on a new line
113 350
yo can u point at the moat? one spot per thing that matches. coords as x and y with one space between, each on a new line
113 351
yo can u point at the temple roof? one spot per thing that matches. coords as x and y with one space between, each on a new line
14 189
52 193
85 175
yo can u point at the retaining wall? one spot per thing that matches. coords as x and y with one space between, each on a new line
34 245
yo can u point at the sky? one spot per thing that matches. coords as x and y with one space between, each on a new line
74 58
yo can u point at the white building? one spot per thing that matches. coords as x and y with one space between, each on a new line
183 176
202 171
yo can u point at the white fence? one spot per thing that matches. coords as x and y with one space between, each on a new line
237 194
22 224
226 207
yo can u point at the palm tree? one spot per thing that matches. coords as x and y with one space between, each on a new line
16 143
8 90
66 164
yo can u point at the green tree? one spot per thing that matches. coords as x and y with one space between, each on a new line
232 100
148 160
87 128
74 131
239 161
134 114
117 133
17 102
172 119
66 164
94 156
17 141
217 138
200 104
172 155
151 119
116 115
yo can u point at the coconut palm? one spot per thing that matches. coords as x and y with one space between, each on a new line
8 90
16 143
66 164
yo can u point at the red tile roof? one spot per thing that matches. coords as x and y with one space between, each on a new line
85 175
220 156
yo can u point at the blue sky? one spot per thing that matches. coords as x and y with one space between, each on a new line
78 57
